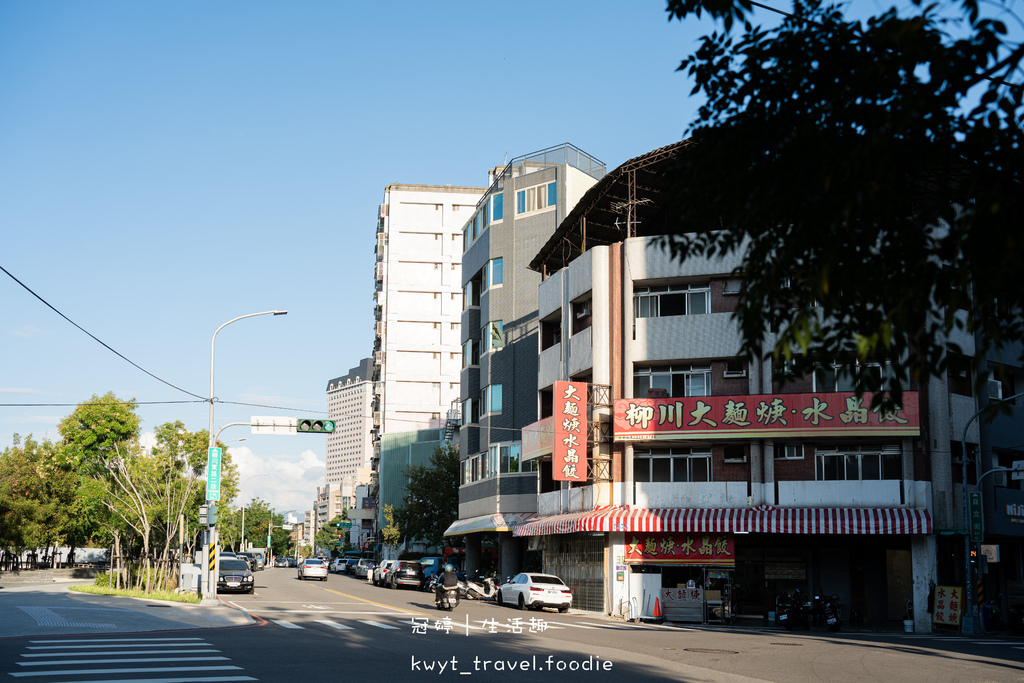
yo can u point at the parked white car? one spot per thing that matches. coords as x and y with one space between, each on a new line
535 591
380 572
313 568
338 566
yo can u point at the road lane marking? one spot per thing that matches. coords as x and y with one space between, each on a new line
334 624
286 624
378 624
378 604
127 660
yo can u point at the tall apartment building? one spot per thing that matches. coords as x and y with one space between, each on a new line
350 406
418 297
521 209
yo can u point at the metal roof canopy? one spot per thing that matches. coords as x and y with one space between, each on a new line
627 202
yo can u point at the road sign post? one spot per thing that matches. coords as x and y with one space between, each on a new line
213 474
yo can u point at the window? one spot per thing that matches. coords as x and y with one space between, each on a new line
550 333
493 273
581 316
494 336
857 463
471 410
677 380
497 207
666 300
832 378
672 465
492 398
471 292
536 198
789 451
471 353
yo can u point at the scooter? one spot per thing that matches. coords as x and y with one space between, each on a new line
833 613
477 589
448 599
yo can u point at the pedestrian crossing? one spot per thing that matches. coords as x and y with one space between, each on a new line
454 622
118 660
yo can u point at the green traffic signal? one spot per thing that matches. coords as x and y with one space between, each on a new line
314 426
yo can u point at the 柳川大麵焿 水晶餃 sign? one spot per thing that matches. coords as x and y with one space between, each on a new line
763 415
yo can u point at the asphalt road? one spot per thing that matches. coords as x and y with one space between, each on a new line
292 630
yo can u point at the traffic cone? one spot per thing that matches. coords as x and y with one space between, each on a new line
657 609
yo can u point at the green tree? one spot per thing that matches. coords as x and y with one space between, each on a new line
96 428
329 533
431 501
391 533
868 174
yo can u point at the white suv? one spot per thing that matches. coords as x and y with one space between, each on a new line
381 571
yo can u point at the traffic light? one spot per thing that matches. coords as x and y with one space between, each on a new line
309 425
211 516
204 514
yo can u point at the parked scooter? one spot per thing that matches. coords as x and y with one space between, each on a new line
792 611
479 588
832 611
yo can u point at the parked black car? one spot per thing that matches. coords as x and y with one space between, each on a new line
406 573
350 565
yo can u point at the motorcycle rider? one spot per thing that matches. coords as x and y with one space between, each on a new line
448 580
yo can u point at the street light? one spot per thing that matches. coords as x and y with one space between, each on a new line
262 474
970 625
213 341
210 542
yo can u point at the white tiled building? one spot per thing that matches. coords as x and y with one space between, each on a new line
350 406
418 296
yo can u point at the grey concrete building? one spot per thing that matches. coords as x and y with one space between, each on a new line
525 203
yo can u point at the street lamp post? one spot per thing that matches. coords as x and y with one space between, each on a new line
209 573
262 474
970 624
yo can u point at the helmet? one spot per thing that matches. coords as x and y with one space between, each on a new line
449 568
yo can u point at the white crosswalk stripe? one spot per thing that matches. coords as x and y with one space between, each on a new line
286 624
378 624
182 660
334 624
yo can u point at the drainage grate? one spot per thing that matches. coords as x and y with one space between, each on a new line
788 644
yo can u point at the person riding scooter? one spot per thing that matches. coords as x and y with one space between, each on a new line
448 580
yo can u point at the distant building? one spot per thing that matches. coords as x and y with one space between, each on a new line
399 451
350 406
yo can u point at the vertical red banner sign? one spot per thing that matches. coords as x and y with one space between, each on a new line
569 458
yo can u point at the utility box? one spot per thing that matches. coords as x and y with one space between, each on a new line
191 576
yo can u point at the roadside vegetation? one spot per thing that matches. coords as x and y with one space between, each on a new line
99 487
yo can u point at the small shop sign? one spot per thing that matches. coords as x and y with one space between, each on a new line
948 603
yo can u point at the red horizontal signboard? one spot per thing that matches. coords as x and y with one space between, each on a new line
762 416
699 549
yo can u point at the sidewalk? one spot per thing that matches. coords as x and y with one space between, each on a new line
44 609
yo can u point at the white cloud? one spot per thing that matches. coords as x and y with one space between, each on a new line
30 332
290 482
21 391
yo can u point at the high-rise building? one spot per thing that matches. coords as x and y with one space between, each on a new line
418 296
350 406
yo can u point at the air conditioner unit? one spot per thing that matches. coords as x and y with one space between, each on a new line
999 479
995 390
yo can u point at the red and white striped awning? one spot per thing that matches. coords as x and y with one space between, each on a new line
763 519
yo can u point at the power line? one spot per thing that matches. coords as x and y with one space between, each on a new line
103 344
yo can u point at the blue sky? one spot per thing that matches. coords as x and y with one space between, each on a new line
168 166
